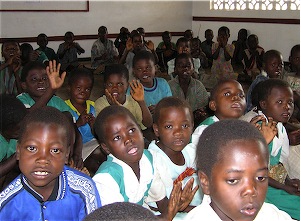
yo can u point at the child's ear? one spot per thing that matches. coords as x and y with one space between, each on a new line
212 105
204 181
156 130
263 105
23 85
105 148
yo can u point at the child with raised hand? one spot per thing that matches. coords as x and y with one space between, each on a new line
46 188
252 57
10 68
173 125
207 45
275 99
40 83
222 53
185 87
42 41
12 112
232 162
272 67
154 88
130 173
116 83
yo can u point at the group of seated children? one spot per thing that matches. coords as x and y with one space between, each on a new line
139 142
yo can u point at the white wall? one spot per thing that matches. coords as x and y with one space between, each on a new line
271 36
154 16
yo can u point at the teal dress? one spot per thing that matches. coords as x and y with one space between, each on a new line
280 198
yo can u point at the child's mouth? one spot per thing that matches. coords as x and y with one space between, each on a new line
41 173
249 210
41 88
133 151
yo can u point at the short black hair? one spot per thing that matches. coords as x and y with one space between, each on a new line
224 29
143 55
42 35
180 40
295 49
218 85
121 211
271 54
80 73
165 33
47 115
31 66
102 27
183 56
219 134
170 102
12 111
118 69
102 117
208 30
263 89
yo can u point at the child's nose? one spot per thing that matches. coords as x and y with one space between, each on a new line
250 188
43 157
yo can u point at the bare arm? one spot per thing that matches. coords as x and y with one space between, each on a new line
128 48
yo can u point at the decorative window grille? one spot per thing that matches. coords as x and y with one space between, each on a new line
255 4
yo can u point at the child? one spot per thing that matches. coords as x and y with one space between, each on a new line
42 41
240 45
173 125
10 69
233 172
154 88
253 57
222 53
207 46
46 189
12 112
166 50
188 34
103 50
134 45
28 54
187 88
40 83
120 41
130 173
183 46
196 52
116 79
275 99
272 68
67 52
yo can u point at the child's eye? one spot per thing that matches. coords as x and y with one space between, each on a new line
109 84
120 84
88 89
116 138
31 148
291 102
261 178
241 95
279 102
232 181
168 126
44 78
227 94
185 126
132 130
55 150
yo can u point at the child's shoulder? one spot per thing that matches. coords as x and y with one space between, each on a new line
271 212
11 191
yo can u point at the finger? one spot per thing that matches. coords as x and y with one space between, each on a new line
63 76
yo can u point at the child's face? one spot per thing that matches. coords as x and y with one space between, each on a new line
295 60
229 101
42 153
69 38
166 38
36 83
123 139
209 35
183 47
184 68
80 90
279 104
42 41
117 86
195 46
239 180
145 71
174 128
223 36
274 67
137 43
253 42
10 49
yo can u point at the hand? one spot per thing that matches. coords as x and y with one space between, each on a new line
152 108
137 90
53 72
83 119
187 194
292 190
267 129
174 200
293 182
129 45
91 120
112 100
150 45
78 162
294 137
16 63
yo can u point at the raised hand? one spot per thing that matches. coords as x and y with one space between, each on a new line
174 201
129 45
83 119
187 194
150 45
112 100
137 90
53 72
267 128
